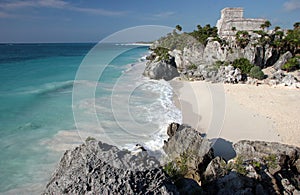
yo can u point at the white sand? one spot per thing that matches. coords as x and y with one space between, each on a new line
237 112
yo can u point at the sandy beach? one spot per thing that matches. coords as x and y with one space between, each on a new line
238 111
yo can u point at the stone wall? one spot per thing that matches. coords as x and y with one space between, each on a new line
233 17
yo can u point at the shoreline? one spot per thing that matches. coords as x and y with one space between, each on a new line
242 112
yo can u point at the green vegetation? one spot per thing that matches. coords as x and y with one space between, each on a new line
256 164
176 41
292 64
239 167
243 64
179 168
171 169
256 73
277 28
162 53
192 67
292 40
242 38
178 27
267 24
90 139
281 41
202 33
270 160
219 63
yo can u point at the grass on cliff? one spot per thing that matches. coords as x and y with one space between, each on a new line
292 64
243 64
178 169
162 53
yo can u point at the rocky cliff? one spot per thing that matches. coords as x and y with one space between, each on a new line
258 168
190 167
99 168
214 61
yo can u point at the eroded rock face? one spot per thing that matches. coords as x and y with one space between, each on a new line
161 70
197 150
282 60
259 168
225 74
99 168
279 163
215 169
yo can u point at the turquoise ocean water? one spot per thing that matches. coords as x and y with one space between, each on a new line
36 111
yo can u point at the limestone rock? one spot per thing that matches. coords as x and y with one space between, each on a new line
191 54
215 169
260 149
172 128
289 80
160 70
213 52
189 142
229 74
280 159
177 54
297 165
282 60
99 168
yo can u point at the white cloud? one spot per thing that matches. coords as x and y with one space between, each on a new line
164 14
53 3
97 11
292 5
56 4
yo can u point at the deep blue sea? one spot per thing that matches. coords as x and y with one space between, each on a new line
53 96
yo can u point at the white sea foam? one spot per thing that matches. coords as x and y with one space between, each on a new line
138 111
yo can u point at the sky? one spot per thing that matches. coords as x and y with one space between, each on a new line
31 21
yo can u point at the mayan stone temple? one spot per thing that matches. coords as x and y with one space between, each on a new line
232 20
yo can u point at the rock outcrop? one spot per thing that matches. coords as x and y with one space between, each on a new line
188 144
259 168
282 60
99 168
164 69
281 78
224 74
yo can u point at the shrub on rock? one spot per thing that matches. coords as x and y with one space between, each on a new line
243 64
292 64
257 73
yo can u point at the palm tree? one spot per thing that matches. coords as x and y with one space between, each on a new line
199 27
266 24
178 27
277 28
296 25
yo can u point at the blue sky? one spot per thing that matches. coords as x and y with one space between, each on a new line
92 20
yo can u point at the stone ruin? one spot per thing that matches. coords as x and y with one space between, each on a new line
233 18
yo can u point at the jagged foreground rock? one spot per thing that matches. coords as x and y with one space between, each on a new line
99 168
185 142
259 168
